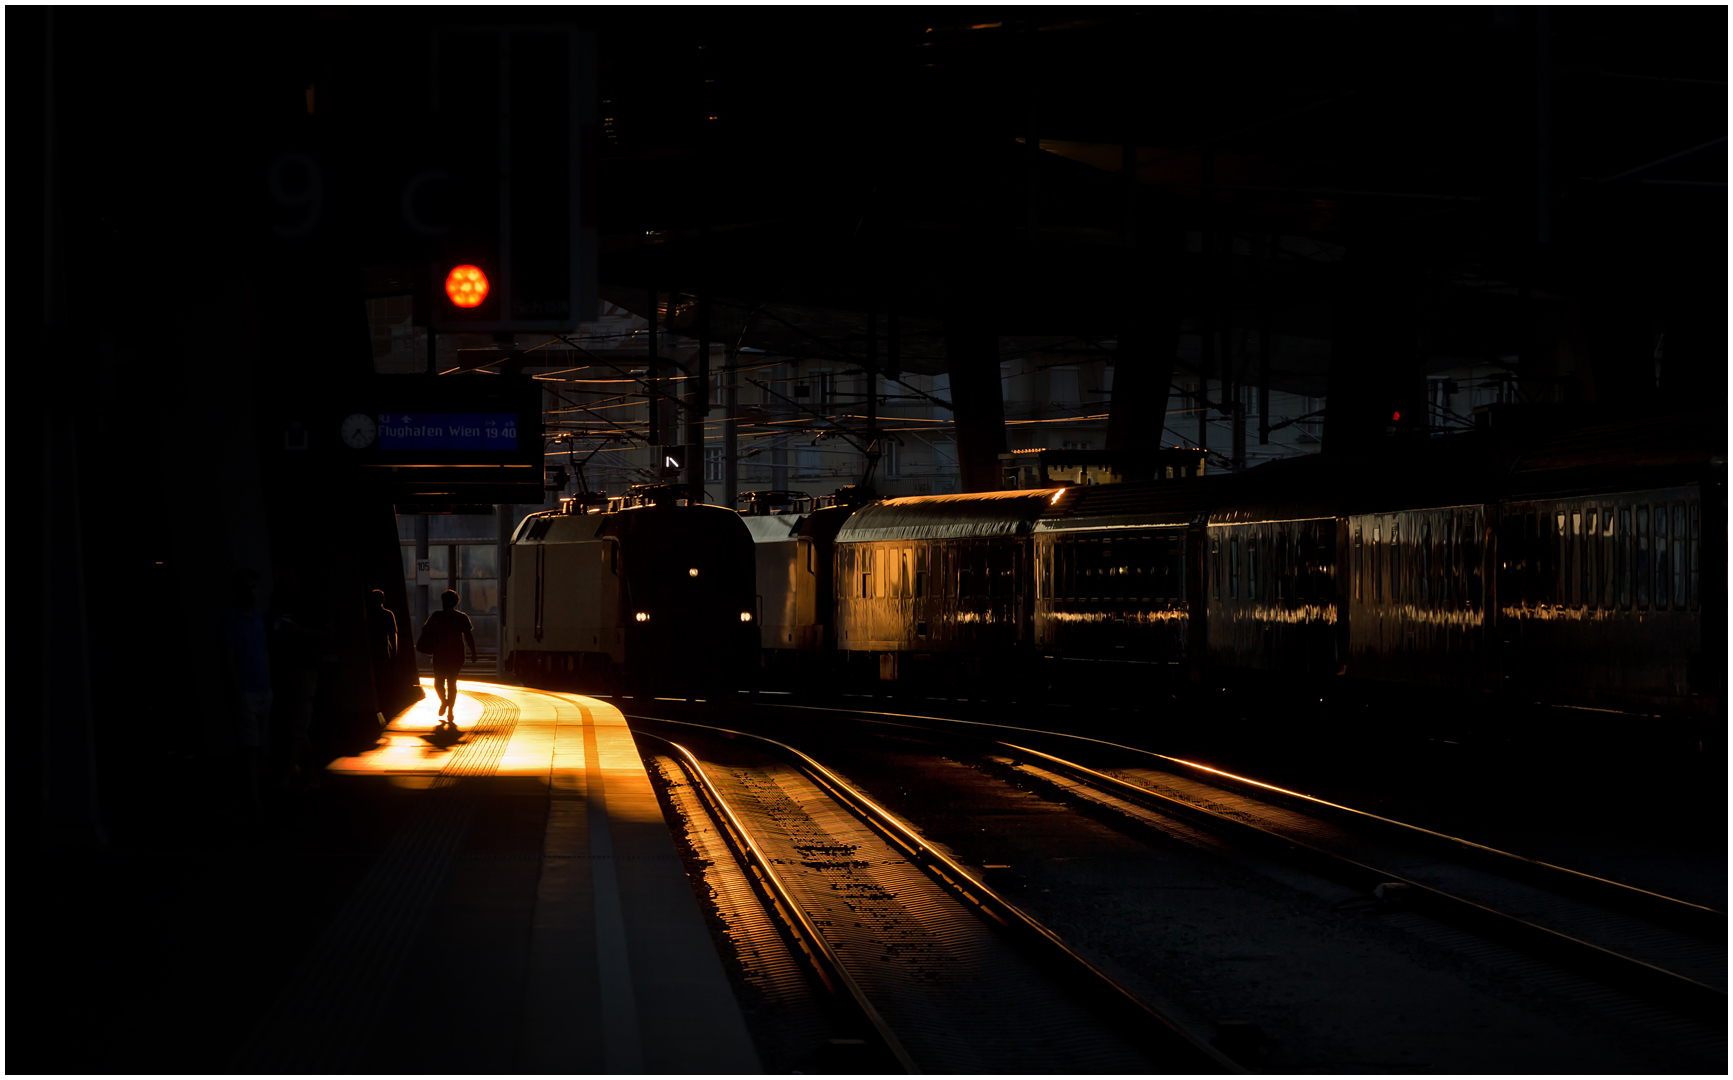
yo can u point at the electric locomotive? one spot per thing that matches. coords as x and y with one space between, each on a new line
644 593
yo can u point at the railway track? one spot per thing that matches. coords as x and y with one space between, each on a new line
920 966
1634 954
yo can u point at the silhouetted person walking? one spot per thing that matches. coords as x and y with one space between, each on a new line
248 666
443 637
382 650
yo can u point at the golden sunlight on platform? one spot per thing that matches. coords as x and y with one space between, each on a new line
547 740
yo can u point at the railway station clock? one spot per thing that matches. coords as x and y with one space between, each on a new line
359 430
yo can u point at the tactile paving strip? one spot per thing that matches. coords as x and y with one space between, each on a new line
319 1022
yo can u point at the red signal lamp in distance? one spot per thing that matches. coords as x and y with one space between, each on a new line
466 285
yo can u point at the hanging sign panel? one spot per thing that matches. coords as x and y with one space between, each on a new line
440 431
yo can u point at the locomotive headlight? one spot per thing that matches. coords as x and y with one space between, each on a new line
746 616
642 616
692 572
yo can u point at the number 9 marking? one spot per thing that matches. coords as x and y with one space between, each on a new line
309 193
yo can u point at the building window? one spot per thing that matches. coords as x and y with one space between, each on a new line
892 460
713 465
1062 386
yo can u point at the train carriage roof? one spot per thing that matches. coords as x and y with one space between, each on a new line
1142 504
948 517
1634 453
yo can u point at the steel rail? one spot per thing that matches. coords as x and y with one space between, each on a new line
821 960
1683 915
1677 991
1150 1025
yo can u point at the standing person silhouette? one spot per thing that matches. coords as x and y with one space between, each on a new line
382 650
443 637
248 667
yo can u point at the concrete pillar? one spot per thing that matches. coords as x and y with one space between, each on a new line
978 404
1143 364
1375 365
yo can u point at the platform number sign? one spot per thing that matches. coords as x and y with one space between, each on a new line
424 571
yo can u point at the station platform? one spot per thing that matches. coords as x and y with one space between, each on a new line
537 874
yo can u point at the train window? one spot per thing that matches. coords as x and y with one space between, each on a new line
1277 570
1663 562
1641 535
1359 560
1539 545
1252 568
1178 548
1574 570
1425 579
1609 571
964 585
1374 565
809 545
866 585
1215 562
1398 588
920 584
1624 543
1591 555
905 581
1234 568
1679 560
1450 564
1525 550
1694 551
1561 553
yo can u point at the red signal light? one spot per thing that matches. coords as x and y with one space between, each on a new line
466 285
1393 416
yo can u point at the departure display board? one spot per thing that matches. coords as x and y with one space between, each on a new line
447 431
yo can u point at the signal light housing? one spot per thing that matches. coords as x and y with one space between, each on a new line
466 285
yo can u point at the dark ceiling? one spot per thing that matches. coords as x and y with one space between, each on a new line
854 159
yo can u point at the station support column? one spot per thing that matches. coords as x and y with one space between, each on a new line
1143 362
977 403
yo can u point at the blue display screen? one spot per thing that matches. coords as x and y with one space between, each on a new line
447 431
